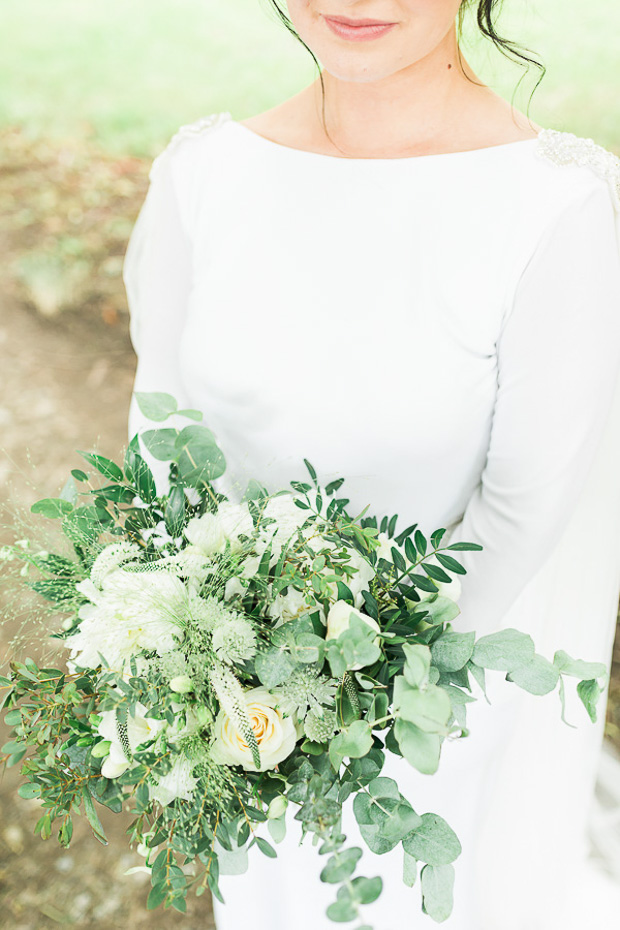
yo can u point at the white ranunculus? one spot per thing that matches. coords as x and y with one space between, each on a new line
236 521
289 518
131 613
275 734
140 729
177 783
206 534
233 587
210 532
288 606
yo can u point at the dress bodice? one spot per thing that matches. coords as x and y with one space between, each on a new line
443 330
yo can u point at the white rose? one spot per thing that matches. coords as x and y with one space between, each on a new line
140 729
384 551
451 589
339 619
275 734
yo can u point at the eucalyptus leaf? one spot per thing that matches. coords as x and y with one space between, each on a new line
156 405
504 651
537 677
577 668
437 891
434 841
420 749
451 651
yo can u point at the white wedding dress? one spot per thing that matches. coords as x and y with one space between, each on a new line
444 332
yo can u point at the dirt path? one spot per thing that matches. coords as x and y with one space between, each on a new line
64 384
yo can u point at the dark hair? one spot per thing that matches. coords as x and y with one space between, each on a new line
486 13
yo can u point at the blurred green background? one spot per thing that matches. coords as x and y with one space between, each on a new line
90 91
131 71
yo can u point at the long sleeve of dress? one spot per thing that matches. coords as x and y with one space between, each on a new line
157 272
558 357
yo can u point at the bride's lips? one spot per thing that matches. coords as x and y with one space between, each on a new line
357 31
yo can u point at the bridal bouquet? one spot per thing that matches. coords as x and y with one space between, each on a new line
230 659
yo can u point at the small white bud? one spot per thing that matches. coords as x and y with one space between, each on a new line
277 807
181 684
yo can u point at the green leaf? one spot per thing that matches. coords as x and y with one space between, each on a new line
191 414
52 507
354 742
589 693
157 896
161 443
199 457
410 869
383 821
106 467
366 890
437 891
434 841
448 562
156 405
436 573
504 651
465 547
341 866
537 677
91 815
577 668
420 542
69 491
273 667
420 749
29 790
417 664
343 909
265 847
143 480
429 710
441 609
174 512
451 651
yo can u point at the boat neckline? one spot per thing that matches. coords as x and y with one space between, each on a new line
270 143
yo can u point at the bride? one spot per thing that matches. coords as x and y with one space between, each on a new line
400 277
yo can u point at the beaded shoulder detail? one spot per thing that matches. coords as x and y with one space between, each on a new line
191 130
566 148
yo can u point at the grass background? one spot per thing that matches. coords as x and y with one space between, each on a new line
127 73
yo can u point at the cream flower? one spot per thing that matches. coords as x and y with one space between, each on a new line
384 550
177 783
139 729
339 619
131 612
212 531
288 606
275 734
289 518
